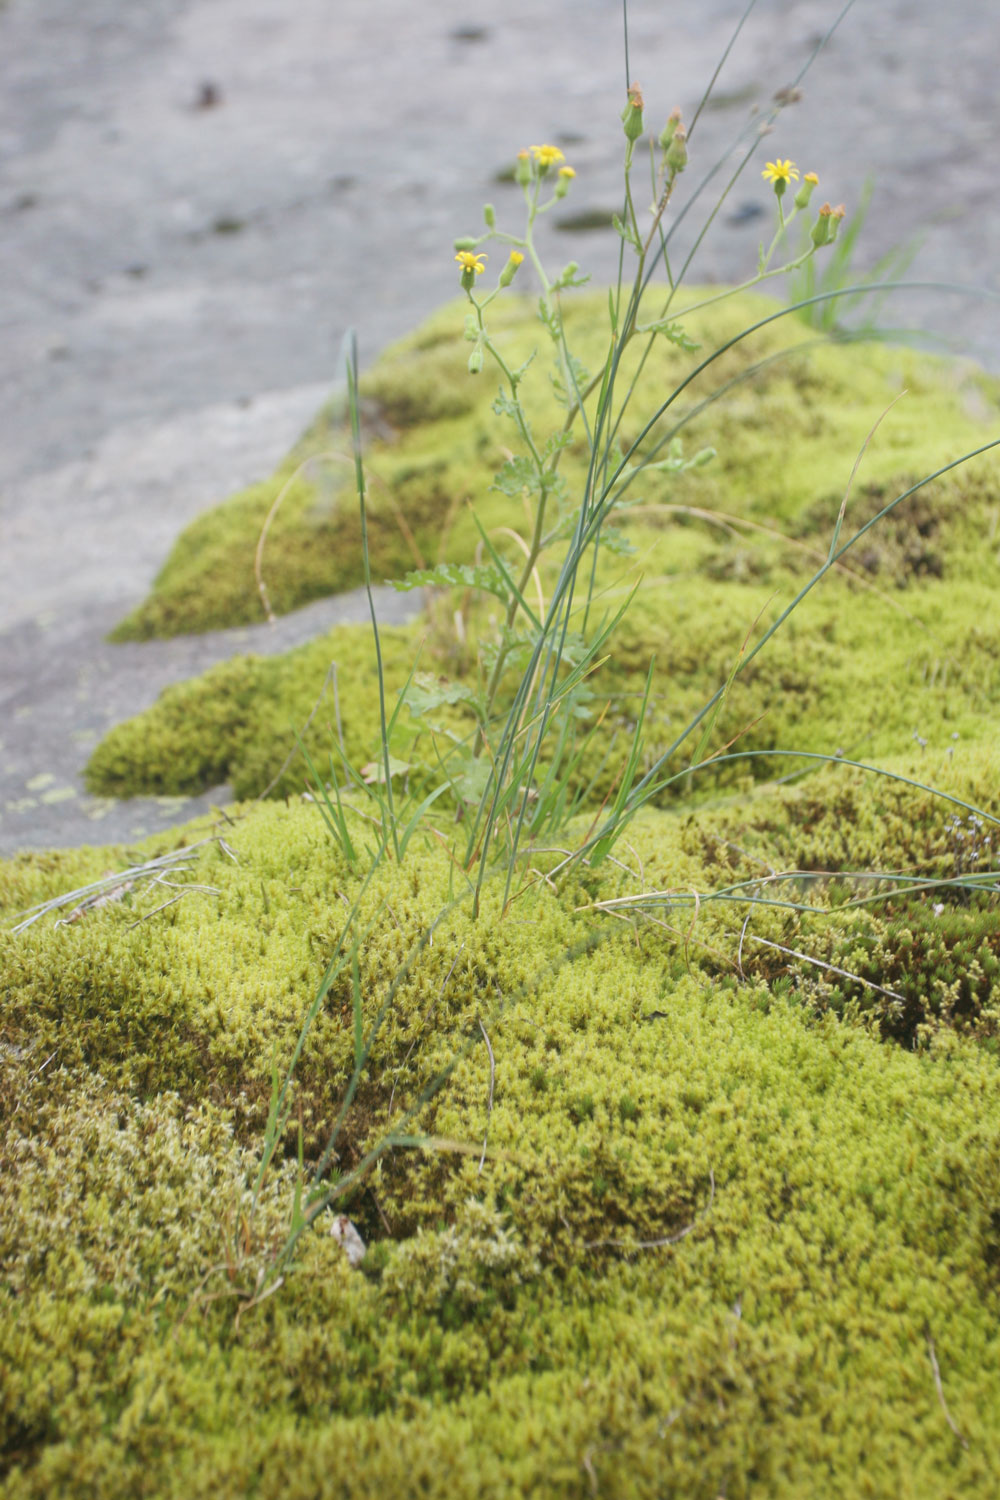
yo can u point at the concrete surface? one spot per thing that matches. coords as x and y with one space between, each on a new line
197 197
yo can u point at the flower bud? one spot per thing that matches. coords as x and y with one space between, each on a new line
632 113
809 181
667 133
465 243
677 155
566 175
489 215
820 233
522 170
471 327
476 360
835 218
510 269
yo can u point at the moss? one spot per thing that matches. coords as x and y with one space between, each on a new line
885 648
433 443
698 1206
812 1205
849 672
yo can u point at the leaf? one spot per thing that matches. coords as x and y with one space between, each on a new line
472 782
550 317
556 442
673 331
517 475
518 375
580 378
482 576
426 692
503 406
570 279
616 542
374 771
627 233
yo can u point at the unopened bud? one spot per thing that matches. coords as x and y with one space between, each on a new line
677 154
522 170
489 215
632 113
805 192
820 233
835 218
667 133
510 269
471 327
466 243
476 360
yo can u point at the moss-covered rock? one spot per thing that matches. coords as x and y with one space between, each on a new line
714 1242
794 414
888 646
694 1182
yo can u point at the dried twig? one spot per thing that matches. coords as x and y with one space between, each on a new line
821 964
162 907
940 1391
113 886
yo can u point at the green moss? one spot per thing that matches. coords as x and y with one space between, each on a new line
709 1252
850 671
433 444
706 1190
885 648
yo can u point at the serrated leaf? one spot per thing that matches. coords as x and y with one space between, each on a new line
581 376
374 771
472 782
503 406
616 542
518 375
482 576
627 233
425 692
565 282
517 475
556 442
673 331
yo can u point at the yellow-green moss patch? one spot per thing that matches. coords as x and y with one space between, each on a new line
786 438
715 1240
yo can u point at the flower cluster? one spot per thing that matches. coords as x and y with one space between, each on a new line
782 174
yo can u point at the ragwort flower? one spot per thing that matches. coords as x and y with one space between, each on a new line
472 266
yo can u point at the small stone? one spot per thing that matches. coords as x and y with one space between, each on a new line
344 1232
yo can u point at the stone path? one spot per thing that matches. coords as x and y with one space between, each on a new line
197 197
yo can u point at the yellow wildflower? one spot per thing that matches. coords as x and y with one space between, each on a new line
509 271
780 171
805 192
471 264
566 172
547 156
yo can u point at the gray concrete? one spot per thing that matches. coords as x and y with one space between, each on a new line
175 280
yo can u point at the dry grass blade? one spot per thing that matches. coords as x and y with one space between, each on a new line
112 887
